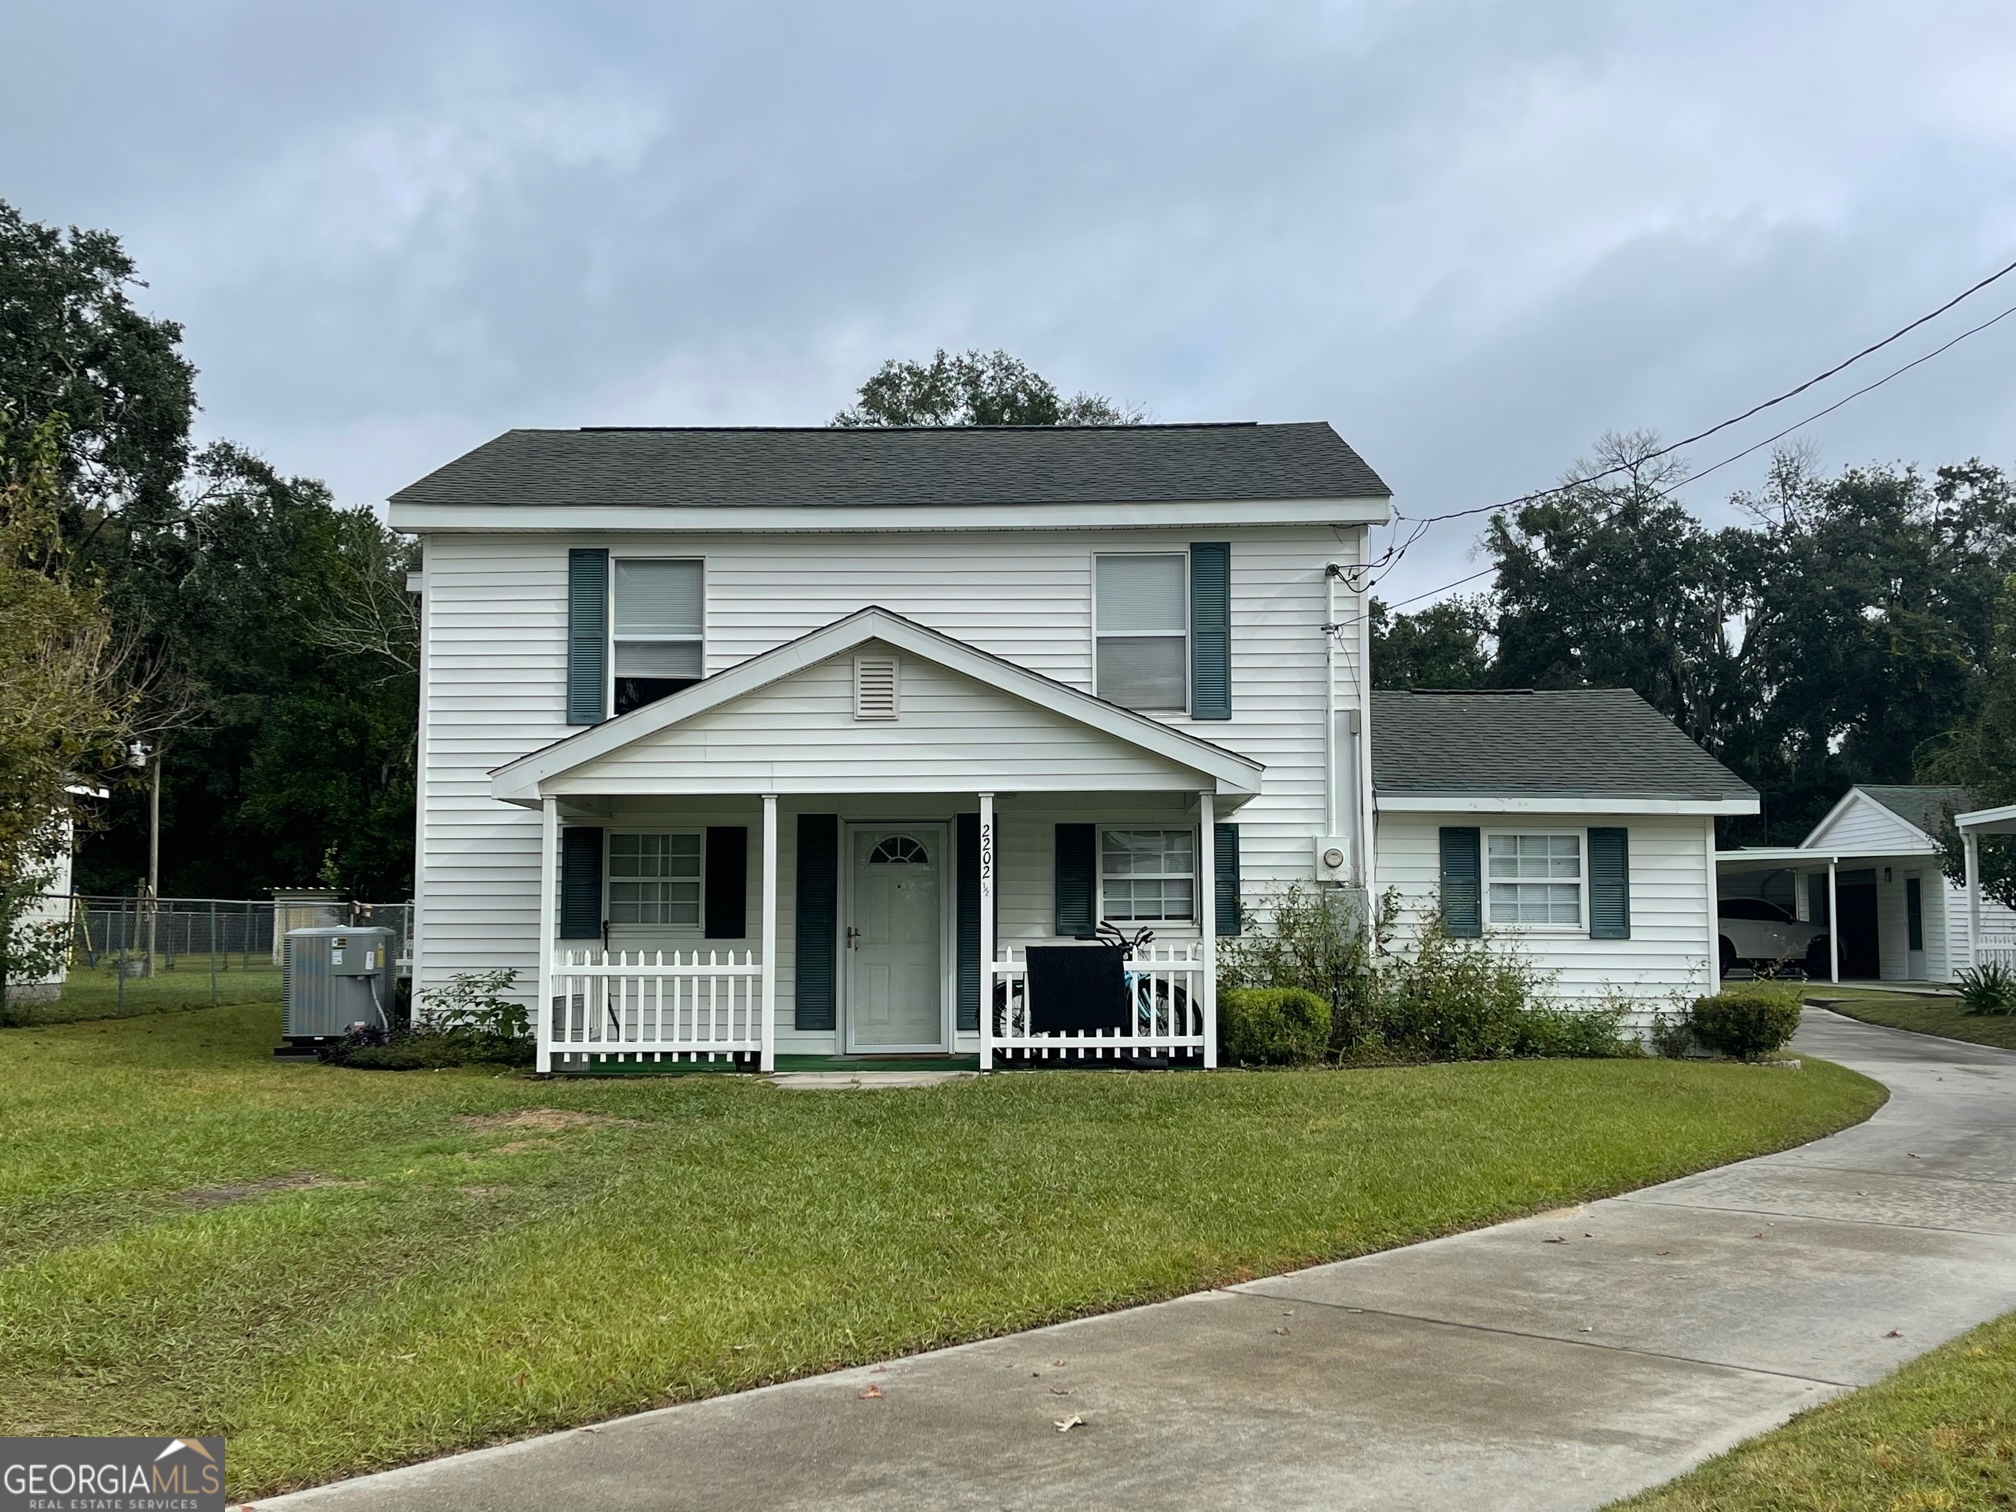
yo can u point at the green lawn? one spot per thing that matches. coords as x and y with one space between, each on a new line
1924 1015
343 1270
93 992
1940 1433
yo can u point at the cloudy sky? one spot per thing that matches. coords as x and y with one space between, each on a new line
1473 236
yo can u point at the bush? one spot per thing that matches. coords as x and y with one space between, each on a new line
1446 999
1987 989
1746 1021
470 1022
1272 1026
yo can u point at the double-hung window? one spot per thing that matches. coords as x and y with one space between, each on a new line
658 628
654 879
1141 627
1147 875
1534 879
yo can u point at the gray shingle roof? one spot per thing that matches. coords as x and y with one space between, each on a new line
1583 742
1923 808
964 465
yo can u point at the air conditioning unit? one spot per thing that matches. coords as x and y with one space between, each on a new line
331 980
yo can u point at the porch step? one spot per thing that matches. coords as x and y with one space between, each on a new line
863 1081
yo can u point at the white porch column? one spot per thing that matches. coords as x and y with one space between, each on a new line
768 1061
987 932
549 925
1833 927
1970 842
1714 915
1207 919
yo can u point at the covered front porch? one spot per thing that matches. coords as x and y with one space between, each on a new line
751 871
1987 943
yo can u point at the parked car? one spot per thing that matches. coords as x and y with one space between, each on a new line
1760 934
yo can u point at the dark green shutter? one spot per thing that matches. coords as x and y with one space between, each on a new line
1914 914
969 922
818 995
587 636
1462 891
1609 884
1077 880
1210 630
727 888
1225 889
580 883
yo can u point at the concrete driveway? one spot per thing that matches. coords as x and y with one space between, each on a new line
1556 1362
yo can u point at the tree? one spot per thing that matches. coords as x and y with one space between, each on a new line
60 708
974 388
290 626
1980 755
1613 584
1446 645
72 345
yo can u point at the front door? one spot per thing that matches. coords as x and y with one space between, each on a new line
895 938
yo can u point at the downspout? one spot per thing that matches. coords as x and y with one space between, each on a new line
1365 814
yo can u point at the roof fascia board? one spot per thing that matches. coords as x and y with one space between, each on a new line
1550 803
1989 821
798 518
521 778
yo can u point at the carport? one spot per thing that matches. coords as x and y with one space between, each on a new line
1984 947
1761 862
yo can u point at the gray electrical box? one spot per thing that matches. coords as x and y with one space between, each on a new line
333 978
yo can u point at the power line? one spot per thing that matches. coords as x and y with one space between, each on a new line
1698 436
1897 372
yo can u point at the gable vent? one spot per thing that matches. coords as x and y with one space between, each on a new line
875 687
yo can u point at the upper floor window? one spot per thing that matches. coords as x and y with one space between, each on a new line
658 626
1141 630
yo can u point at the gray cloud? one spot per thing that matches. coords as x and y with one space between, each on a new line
1472 236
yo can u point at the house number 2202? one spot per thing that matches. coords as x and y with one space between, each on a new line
986 852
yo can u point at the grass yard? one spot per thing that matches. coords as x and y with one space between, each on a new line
1923 1015
93 992
1940 1433
342 1270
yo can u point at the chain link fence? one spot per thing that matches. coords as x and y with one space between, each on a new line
141 955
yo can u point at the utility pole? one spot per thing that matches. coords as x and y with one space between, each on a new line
153 859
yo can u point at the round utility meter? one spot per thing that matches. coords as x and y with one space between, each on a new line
1333 857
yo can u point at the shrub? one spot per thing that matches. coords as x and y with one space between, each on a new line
470 1022
1988 989
1444 999
1272 1026
1747 1020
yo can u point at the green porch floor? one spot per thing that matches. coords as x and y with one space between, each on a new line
784 1063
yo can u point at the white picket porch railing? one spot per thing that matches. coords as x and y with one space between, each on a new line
1996 950
1165 984
655 1005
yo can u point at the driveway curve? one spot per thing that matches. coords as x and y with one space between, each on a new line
1554 1362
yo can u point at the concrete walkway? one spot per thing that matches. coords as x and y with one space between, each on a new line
1556 1362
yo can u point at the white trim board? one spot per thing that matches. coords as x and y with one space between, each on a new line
1229 772
1541 803
800 519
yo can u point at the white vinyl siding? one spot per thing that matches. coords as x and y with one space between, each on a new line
1147 876
1663 963
1533 879
1141 619
495 666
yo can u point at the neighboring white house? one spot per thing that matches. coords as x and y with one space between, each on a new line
1575 826
846 720
1895 916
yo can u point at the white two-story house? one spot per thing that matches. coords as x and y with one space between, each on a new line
740 744
756 742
